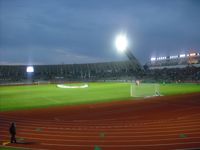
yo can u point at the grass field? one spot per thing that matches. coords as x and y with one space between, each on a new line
38 96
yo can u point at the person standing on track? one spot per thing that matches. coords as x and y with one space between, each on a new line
13 133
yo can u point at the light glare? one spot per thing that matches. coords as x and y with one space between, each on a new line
121 42
192 54
182 55
30 69
173 57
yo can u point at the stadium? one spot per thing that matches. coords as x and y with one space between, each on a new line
99 75
100 106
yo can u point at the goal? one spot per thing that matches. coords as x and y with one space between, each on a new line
144 90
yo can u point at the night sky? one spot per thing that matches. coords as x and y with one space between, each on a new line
83 31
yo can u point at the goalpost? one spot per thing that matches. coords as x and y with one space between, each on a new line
144 89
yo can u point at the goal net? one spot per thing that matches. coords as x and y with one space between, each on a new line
144 90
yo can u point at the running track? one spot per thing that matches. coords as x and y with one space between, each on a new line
160 123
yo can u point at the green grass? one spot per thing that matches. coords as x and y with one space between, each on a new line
147 89
39 96
181 88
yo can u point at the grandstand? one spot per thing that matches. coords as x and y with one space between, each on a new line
176 61
102 115
70 72
178 68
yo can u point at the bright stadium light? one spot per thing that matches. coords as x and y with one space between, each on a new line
29 69
121 42
182 55
173 57
192 54
153 58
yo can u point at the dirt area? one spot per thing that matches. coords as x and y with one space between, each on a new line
168 122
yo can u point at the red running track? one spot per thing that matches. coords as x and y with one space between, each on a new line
160 123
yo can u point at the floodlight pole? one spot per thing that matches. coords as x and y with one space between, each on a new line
30 77
133 59
121 45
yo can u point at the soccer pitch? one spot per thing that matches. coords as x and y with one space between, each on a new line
39 96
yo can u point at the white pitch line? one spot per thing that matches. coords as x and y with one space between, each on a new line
51 99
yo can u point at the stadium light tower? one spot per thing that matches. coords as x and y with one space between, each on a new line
121 43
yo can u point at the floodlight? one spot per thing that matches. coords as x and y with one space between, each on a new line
182 55
153 58
121 42
192 54
30 69
173 57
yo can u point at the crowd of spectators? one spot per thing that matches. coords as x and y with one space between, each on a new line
124 70
186 74
69 72
177 61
